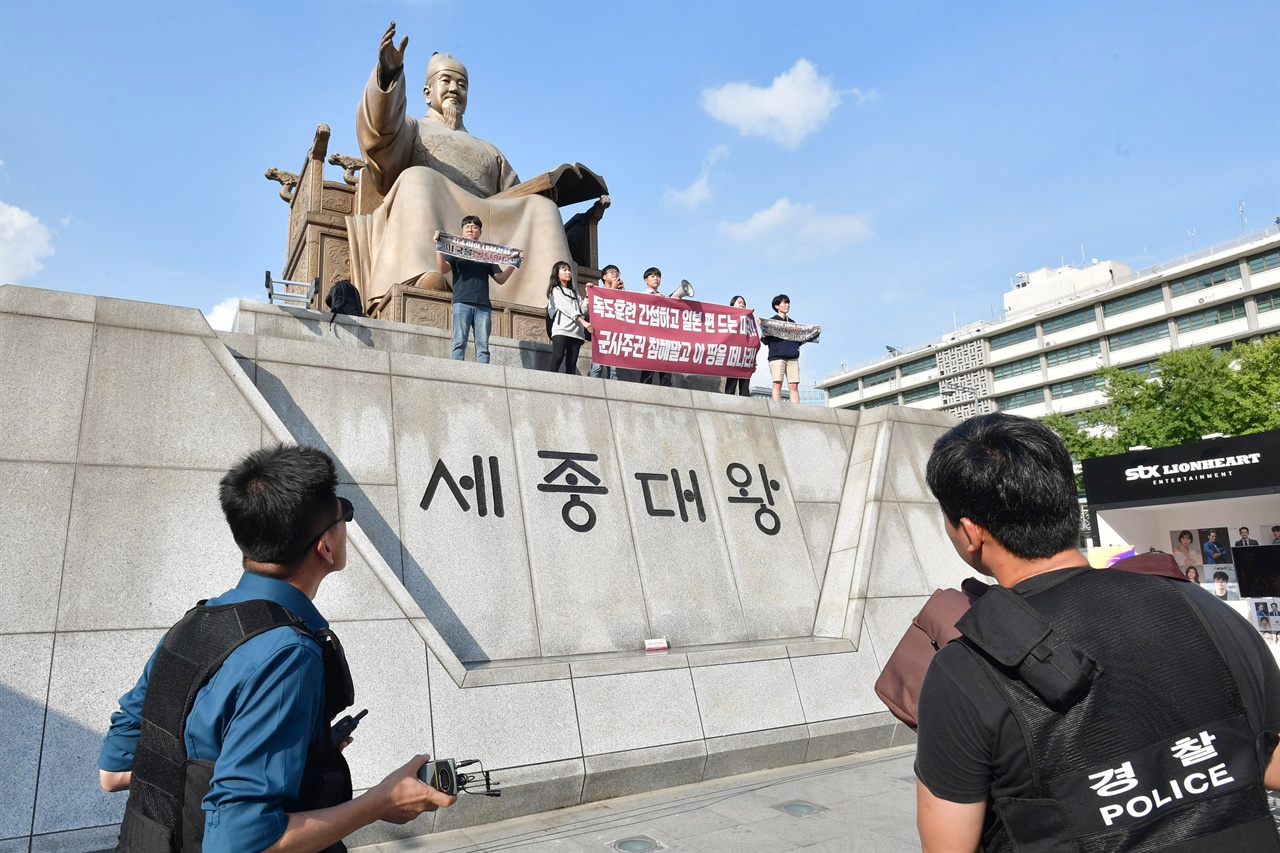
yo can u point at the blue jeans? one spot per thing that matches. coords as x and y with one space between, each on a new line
598 371
464 317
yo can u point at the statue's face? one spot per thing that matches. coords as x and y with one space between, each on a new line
447 86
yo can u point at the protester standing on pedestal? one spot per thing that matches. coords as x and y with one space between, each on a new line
784 356
471 306
569 326
610 279
733 384
652 283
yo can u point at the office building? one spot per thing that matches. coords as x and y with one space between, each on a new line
1060 326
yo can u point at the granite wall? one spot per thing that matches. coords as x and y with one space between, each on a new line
518 536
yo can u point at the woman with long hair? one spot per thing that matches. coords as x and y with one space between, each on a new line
1193 574
732 384
569 326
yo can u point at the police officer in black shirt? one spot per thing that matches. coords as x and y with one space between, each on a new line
1062 720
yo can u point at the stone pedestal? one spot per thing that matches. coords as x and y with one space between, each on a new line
408 304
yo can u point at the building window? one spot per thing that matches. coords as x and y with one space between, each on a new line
1030 364
1016 336
1212 317
1145 368
879 378
1140 335
1076 386
1069 354
915 395
1068 321
1204 280
1133 301
1022 398
842 388
1269 261
920 365
1268 301
883 401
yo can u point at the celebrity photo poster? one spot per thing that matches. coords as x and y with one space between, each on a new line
1221 581
1266 615
1245 536
1264 534
1185 548
1215 546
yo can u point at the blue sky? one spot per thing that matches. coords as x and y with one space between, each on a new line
887 165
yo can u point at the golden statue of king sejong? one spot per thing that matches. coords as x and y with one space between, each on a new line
432 172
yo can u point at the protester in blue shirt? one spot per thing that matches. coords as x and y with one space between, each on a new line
260 724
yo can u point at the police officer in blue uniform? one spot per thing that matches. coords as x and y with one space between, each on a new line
225 743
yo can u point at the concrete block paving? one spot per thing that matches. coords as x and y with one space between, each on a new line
861 803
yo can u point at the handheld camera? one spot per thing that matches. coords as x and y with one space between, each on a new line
443 775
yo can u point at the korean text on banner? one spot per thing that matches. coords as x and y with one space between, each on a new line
643 332
475 250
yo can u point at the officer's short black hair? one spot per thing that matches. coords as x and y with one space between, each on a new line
276 500
1012 476
475 219
779 299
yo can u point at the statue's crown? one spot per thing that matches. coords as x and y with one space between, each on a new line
444 62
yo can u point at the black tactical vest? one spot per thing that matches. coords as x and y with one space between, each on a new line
163 813
1137 740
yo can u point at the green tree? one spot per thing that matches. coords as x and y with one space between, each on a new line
1257 386
1192 392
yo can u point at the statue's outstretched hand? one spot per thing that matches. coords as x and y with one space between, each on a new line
390 57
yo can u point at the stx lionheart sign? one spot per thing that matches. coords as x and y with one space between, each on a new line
643 332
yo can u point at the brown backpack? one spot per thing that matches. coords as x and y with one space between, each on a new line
935 625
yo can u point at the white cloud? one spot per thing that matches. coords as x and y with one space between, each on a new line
700 190
796 104
23 242
798 227
223 315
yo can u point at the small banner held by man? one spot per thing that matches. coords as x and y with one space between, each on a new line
476 250
643 332
788 331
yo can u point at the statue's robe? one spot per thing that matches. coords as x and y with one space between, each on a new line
431 176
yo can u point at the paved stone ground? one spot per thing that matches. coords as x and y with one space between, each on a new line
866 802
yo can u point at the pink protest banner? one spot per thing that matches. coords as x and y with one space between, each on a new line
643 332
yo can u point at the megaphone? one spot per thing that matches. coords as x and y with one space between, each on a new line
684 291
